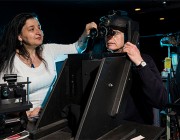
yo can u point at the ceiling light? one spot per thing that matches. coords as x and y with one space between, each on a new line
164 2
161 18
137 9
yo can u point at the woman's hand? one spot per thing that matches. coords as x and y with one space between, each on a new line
82 41
33 113
88 28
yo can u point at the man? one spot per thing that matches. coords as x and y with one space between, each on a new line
147 91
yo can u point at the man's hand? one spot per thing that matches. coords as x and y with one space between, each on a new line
133 53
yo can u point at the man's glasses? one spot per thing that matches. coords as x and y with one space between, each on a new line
116 32
113 32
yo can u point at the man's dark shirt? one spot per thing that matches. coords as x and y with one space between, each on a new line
147 92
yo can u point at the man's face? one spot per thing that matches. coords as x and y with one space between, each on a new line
116 41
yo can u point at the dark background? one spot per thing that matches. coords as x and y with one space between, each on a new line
63 21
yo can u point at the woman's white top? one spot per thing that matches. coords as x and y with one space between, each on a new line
42 78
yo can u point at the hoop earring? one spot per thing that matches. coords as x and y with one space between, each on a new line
21 43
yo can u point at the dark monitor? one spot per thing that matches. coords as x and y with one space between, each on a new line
51 118
105 84
99 84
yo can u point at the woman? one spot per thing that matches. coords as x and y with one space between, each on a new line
23 53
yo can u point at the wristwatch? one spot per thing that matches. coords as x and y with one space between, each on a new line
142 64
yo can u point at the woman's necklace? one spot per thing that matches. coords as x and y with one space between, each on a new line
32 65
28 61
32 60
